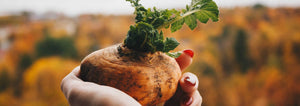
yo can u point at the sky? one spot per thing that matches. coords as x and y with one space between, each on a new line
116 7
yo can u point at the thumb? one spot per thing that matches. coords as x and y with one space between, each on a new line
185 59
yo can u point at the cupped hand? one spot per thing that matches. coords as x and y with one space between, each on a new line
187 93
80 93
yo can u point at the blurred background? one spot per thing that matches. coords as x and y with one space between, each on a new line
251 57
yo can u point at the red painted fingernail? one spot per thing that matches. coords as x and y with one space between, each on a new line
189 52
188 80
188 101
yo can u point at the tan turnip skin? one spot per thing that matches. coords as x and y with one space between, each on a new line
149 78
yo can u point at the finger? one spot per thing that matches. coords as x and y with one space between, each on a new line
76 71
197 99
92 94
189 83
185 59
194 100
83 93
70 80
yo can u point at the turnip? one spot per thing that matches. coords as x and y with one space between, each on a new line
142 65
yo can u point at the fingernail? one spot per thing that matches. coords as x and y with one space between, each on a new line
188 101
190 81
189 52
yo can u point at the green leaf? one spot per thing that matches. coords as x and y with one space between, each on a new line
202 17
174 54
144 36
191 21
170 44
159 42
177 25
203 10
211 10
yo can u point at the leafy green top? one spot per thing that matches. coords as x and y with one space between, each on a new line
144 35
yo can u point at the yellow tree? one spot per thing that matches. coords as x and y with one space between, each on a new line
42 81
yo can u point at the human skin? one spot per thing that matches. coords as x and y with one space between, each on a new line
80 93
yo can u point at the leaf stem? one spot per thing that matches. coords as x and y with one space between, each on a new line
144 40
177 18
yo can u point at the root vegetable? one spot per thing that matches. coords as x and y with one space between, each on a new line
142 66
149 78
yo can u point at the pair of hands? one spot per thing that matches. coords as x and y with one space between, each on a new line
80 93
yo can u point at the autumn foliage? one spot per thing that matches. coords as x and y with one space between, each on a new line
250 57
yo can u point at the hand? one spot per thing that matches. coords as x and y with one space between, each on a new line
81 93
187 93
